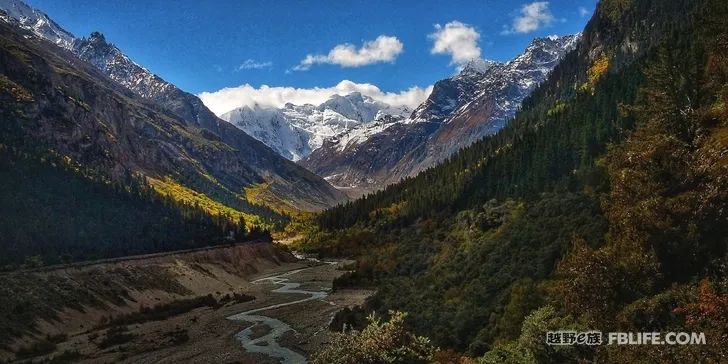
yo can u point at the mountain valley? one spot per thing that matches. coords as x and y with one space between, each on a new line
575 190
360 145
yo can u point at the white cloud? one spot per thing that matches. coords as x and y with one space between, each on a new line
230 98
382 49
532 17
456 39
583 11
251 64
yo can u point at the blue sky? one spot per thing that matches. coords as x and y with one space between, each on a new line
201 45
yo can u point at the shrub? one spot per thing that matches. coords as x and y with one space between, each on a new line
379 342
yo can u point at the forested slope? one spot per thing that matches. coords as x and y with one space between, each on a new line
54 213
82 161
602 206
563 126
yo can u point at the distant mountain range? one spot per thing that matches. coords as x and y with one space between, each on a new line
361 145
297 130
476 102
354 142
187 144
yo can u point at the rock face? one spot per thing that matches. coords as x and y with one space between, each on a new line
362 165
475 103
486 99
353 141
115 64
38 22
295 131
136 121
360 145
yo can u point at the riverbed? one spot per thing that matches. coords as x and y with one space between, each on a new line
285 323
268 344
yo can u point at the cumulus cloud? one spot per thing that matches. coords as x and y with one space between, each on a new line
230 98
382 49
251 64
532 17
457 39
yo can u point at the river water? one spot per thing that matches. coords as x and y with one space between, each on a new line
268 343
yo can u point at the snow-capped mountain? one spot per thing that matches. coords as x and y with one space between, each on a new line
94 49
452 93
37 22
271 126
487 98
250 161
476 102
297 130
112 61
352 140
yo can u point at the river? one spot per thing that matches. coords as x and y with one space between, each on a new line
268 343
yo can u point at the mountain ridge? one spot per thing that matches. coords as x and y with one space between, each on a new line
297 130
280 183
602 204
474 103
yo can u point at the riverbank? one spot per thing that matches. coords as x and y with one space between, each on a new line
203 333
309 316
302 327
